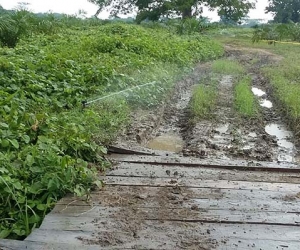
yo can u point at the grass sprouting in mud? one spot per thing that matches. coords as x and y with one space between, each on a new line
285 80
228 67
244 100
203 101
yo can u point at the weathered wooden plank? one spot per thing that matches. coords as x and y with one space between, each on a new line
240 165
102 239
113 220
205 198
29 245
175 235
125 151
191 182
242 244
188 214
160 171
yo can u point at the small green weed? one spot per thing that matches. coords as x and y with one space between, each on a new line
228 67
244 100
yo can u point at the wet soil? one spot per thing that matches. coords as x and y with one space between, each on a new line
226 135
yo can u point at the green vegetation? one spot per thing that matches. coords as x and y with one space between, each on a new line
203 101
229 67
278 32
47 138
286 11
285 80
244 99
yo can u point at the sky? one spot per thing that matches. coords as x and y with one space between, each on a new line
73 6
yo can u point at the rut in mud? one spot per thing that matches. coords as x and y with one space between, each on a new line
226 135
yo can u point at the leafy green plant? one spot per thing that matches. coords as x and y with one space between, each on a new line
189 26
15 25
48 139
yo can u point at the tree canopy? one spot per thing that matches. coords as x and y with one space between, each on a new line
232 10
284 11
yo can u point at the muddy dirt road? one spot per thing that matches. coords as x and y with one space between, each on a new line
225 135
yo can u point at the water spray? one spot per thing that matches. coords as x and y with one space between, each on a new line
85 103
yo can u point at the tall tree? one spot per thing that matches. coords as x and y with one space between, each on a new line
232 10
102 4
284 10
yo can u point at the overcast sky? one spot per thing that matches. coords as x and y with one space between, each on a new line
72 7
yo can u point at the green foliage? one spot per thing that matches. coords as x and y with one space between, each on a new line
244 100
14 26
203 101
102 4
285 80
288 32
189 26
229 67
153 10
47 139
232 11
285 11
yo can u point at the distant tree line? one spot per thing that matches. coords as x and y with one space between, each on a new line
228 10
284 11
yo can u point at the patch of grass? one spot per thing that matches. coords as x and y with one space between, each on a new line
203 101
284 74
228 67
285 80
244 100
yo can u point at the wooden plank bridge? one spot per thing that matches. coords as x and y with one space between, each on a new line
168 202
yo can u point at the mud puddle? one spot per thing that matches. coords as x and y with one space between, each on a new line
286 149
258 92
262 97
167 142
266 103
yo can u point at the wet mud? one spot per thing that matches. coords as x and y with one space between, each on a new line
224 135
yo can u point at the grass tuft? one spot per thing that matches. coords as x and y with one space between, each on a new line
203 101
229 67
244 100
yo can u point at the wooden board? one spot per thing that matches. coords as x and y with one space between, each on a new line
68 221
173 197
170 235
33 245
196 183
178 203
239 165
161 171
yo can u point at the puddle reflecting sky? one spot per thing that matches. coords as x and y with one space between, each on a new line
266 103
286 148
258 92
